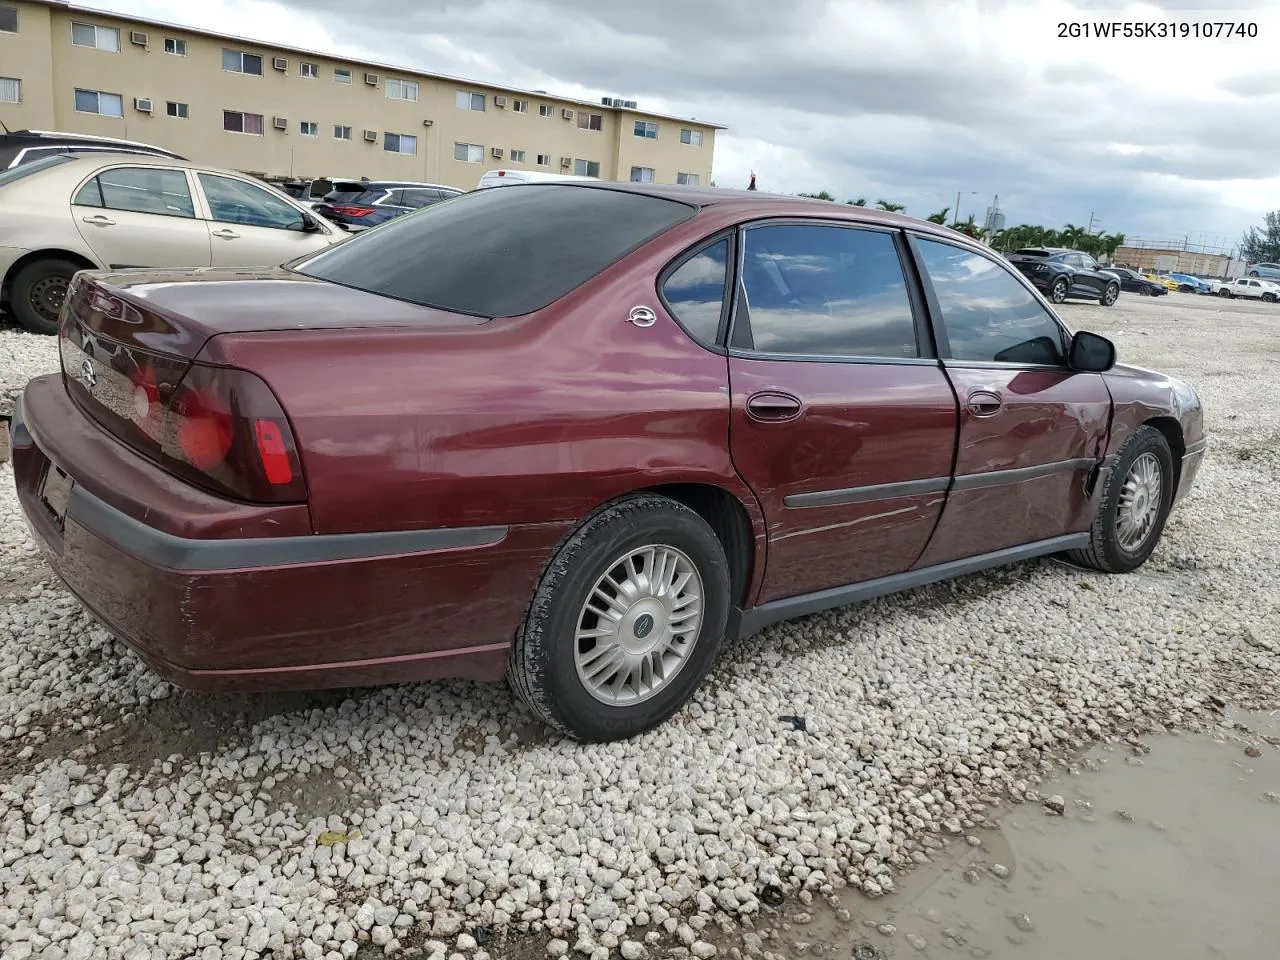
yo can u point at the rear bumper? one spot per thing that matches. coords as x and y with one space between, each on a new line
211 608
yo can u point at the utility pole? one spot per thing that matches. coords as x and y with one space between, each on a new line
955 218
1089 229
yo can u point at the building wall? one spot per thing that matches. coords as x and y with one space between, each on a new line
52 68
1176 261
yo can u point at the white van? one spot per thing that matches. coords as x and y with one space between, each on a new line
509 178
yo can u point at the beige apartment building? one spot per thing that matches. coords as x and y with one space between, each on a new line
278 111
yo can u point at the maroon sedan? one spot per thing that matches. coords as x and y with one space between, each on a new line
574 434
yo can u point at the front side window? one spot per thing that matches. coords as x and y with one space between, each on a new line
103 104
646 129
691 137
91 35
402 90
399 143
586 168
175 46
642 174
565 234
987 313
139 190
237 61
234 201
695 291
420 197
828 291
233 121
590 121
10 90
466 100
468 152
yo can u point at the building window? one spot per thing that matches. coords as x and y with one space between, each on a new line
309 128
233 121
468 152
544 110
177 47
309 70
544 159
400 143
103 104
341 132
520 106
402 90
691 137
236 61
647 129
517 156
590 121
100 38
586 168
689 179
642 174
10 90
470 101
341 76
180 110
8 18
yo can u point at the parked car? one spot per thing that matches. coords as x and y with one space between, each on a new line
1268 270
75 211
380 201
355 470
23 146
509 178
1247 287
1133 282
1169 285
1062 273
1189 284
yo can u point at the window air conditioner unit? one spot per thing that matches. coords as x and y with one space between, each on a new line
137 38
371 79
280 63
499 101
371 136
280 123
566 161
496 153
142 104
567 114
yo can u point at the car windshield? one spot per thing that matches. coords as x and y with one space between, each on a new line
35 166
491 256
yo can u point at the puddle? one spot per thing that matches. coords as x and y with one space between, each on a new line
1172 853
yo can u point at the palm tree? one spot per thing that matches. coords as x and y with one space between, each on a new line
940 216
820 195
888 205
860 202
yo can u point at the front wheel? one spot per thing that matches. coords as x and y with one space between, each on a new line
39 290
1225 292
1058 292
1253 273
1144 291
1269 297
1135 502
1111 294
625 622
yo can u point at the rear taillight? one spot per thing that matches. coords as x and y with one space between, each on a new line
349 211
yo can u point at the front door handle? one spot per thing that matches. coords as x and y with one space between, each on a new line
772 406
226 234
984 403
98 220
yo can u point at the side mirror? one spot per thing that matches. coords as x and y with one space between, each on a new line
1091 353
310 224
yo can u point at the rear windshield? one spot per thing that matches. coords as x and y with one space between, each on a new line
1031 253
34 166
498 256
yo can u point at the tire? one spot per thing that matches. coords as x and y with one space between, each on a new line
38 291
1144 291
545 668
1225 292
1110 550
1058 291
1110 295
1268 298
1253 273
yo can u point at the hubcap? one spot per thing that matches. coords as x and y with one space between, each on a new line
1139 502
639 624
1111 294
47 295
1059 292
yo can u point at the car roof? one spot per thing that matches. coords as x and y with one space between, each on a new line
390 184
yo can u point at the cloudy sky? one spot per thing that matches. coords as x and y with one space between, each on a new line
907 100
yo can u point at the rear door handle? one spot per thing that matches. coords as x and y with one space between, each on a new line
226 234
984 403
773 406
98 220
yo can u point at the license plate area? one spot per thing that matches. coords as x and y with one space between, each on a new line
55 493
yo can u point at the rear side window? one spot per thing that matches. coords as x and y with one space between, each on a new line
498 253
695 291
987 314
818 290
140 190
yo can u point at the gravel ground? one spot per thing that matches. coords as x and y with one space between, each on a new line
140 822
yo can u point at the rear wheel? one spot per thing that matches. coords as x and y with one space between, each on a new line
38 292
1134 505
1269 297
1225 292
1111 294
1058 292
1144 291
625 622
1253 273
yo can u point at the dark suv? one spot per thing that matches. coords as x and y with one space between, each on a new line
23 146
1062 273
360 204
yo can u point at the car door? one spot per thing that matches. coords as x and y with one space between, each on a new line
1248 288
250 226
1081 285
1031 430
1093 275
842 422
141 216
